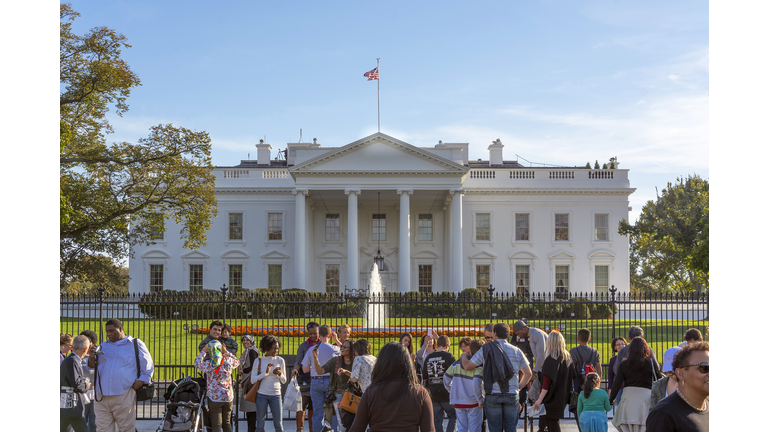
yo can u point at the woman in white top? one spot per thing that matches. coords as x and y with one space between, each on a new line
362 366
272 376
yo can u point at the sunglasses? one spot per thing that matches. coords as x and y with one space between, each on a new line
703 366
345 346
488 338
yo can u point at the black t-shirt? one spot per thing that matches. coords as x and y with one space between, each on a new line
673 414
435 366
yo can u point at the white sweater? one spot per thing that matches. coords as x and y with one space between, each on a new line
270 384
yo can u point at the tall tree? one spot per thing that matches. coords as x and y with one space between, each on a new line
114 196
670 240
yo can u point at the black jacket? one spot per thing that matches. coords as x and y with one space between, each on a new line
496 367
71 375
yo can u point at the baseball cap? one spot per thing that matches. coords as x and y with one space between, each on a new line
669 355
519 325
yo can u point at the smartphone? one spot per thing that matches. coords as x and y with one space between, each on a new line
429 332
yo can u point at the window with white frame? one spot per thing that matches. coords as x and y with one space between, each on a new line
332 278
561 282
155 277
483 276
425 227
523 280
155 234
483 226
522 227
601 279
235 276
561 227
235 226
275 276
379 227
601 227
195 277
275 226
425 278
332 227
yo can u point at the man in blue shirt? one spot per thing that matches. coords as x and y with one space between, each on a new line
320 383
116 381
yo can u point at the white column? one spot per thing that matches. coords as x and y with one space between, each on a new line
353 254
404 260
457 246
300 250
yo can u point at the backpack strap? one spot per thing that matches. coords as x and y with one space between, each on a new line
136 351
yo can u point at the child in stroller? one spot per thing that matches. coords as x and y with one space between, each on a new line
184 411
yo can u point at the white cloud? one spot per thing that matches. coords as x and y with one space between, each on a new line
674 77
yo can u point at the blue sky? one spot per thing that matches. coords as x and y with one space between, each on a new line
559 82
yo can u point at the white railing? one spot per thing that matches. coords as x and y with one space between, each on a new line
601 174
275 174
528 174
482 174
235 173
561 174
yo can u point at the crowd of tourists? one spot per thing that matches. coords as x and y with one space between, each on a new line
405 387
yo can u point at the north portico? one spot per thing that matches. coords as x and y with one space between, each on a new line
316 219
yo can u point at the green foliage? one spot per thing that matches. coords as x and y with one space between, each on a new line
89 272
597 164
612 166
605 166
669 244
589 166
114 196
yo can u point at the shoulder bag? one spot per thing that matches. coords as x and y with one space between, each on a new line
245 380
146 391
250 395
351 398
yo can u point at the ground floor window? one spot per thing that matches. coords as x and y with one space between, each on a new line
523 285
332 278
155 278
195 277
275 276
425 278
235 277
601 280
561 282
483 277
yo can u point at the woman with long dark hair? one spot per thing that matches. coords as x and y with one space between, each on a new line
636 374
407 340
616 345
395 400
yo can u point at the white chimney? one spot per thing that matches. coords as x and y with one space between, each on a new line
262 154
496 150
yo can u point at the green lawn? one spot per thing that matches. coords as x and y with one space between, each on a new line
171 345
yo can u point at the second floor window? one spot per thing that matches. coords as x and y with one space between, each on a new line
235 226
379 227
521 227
425 227
275 226
332 228
483 226
561 227
601 227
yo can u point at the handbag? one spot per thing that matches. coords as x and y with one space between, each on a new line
146 391
351 398
250 395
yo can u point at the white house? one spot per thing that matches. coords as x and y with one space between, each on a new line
442 222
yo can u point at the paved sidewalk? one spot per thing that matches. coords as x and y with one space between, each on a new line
290 426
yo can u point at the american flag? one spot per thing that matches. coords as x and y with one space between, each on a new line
372 74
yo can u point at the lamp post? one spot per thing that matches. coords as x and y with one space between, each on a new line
224 302
613 290
490 290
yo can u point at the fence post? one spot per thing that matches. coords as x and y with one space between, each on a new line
490 289
613 311
101 290
224 303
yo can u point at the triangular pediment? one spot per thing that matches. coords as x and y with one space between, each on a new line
195 254
273 254
379 153
561 254
483 255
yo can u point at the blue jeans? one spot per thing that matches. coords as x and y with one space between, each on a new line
501 411
469 419
275 406
438 408
318 391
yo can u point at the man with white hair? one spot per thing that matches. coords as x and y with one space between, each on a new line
73 387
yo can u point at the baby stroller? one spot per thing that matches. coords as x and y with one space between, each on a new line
185 410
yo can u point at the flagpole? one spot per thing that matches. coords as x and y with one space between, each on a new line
378 93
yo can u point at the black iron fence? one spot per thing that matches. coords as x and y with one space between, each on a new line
172 324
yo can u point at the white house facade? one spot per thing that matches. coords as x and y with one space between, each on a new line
316 219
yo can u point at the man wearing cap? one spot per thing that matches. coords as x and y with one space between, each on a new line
537 340
667 385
